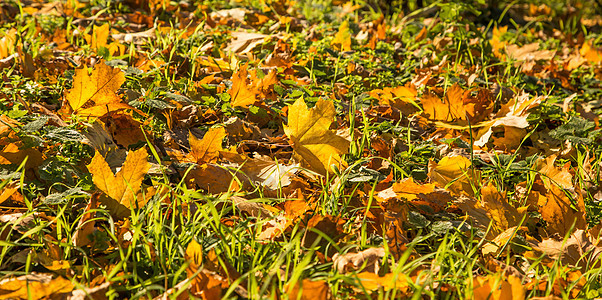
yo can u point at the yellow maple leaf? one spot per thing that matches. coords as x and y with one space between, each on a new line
124 186
240 93
95 94
313 142
206 150
35 286
401 97
455 174
502 214
455 106
342 40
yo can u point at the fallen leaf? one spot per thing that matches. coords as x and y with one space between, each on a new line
240 93
342 39
529 52
552 175
557 210
125 186
503 215
372 282
309 290
86 225
578 250
95 94
497 287
204 284
243 42
34 286
313 142
401 97
367 260
207 149
455 174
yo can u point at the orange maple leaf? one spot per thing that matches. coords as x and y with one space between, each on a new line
240 93
206 150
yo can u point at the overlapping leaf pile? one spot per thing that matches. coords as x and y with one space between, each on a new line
154 149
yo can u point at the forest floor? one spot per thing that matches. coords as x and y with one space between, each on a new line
300 149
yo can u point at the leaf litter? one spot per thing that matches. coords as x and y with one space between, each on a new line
154 149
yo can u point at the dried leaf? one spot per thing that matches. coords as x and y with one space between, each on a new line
125 186
95 94
312 140
34 286
556 209
578 250
240 93
309 290
207 149
367 260
454 173
497 287
372 282
503 215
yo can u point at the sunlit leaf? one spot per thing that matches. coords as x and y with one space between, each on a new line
314 143
125 186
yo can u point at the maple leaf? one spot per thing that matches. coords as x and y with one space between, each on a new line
551 175
124 186
342 40
204 283
95 94
308 290
312 140
240 93
206 150
455 174
513 114
557 210
35 286
502 214
401 97
452 108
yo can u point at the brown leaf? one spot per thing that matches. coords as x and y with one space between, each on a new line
372 282
556 209
455 174
503 215
240 93
497 287
578 250
86 225
367 260
401 97
342 39
552 175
